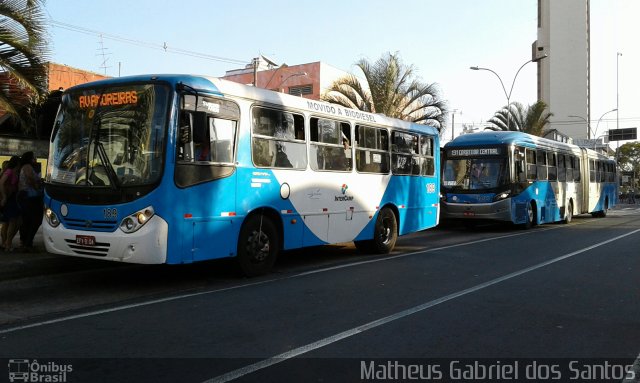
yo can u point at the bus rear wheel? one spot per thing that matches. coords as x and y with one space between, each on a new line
258 246
385 234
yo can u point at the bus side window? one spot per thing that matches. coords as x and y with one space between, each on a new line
372 149
185 147
519 165
405 153
592 171
532 170
569 165
426 151
201 140
576 170
330 145
551 166
562 172
222 133
541 159
278 139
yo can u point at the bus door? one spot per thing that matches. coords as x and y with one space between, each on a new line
206 178
594 184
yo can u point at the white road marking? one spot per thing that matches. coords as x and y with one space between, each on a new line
379 322
177 297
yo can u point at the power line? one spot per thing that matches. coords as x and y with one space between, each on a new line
163 47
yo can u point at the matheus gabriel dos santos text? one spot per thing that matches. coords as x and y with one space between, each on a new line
514 370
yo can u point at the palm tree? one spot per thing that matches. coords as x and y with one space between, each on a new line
390 88
23 50
516 117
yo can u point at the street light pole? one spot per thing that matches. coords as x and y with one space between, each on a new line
587 122
618 54
595 132
453 119
508 95
289 76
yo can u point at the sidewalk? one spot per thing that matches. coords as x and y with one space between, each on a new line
38 244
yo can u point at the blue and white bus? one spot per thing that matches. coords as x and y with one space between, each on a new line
523 179
177 169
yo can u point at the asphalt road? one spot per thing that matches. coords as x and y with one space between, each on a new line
447 301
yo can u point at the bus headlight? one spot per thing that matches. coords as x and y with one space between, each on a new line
135 221
502 195
51 217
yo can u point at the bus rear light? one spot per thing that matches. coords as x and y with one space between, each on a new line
135 221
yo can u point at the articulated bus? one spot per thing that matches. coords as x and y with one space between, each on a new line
178 168
523 179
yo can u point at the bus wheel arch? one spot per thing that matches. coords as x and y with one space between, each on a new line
259 242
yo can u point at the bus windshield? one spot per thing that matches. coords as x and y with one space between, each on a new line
109 137
474 173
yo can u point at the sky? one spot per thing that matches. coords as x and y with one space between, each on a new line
441 39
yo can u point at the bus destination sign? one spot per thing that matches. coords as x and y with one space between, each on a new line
474 152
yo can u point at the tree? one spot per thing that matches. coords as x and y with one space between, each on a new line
532 119
390 88
629 161
629 157
23 51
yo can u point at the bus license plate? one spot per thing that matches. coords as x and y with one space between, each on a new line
469 214
86 240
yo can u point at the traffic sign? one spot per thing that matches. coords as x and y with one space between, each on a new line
623 134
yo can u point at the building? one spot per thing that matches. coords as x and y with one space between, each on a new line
63 76
304 80
563 76
59 77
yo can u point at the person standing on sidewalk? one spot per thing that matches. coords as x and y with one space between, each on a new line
29 200
9 203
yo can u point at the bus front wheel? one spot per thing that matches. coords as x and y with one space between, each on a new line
530 217
258 246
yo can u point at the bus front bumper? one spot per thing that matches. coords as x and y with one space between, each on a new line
495 211
148 245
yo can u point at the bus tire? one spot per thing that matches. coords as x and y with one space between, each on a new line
385 234
531 217
569 214
258 246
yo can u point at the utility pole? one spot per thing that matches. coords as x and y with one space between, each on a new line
255 71
453 119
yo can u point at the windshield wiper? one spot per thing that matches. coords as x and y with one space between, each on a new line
99 148
111 174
